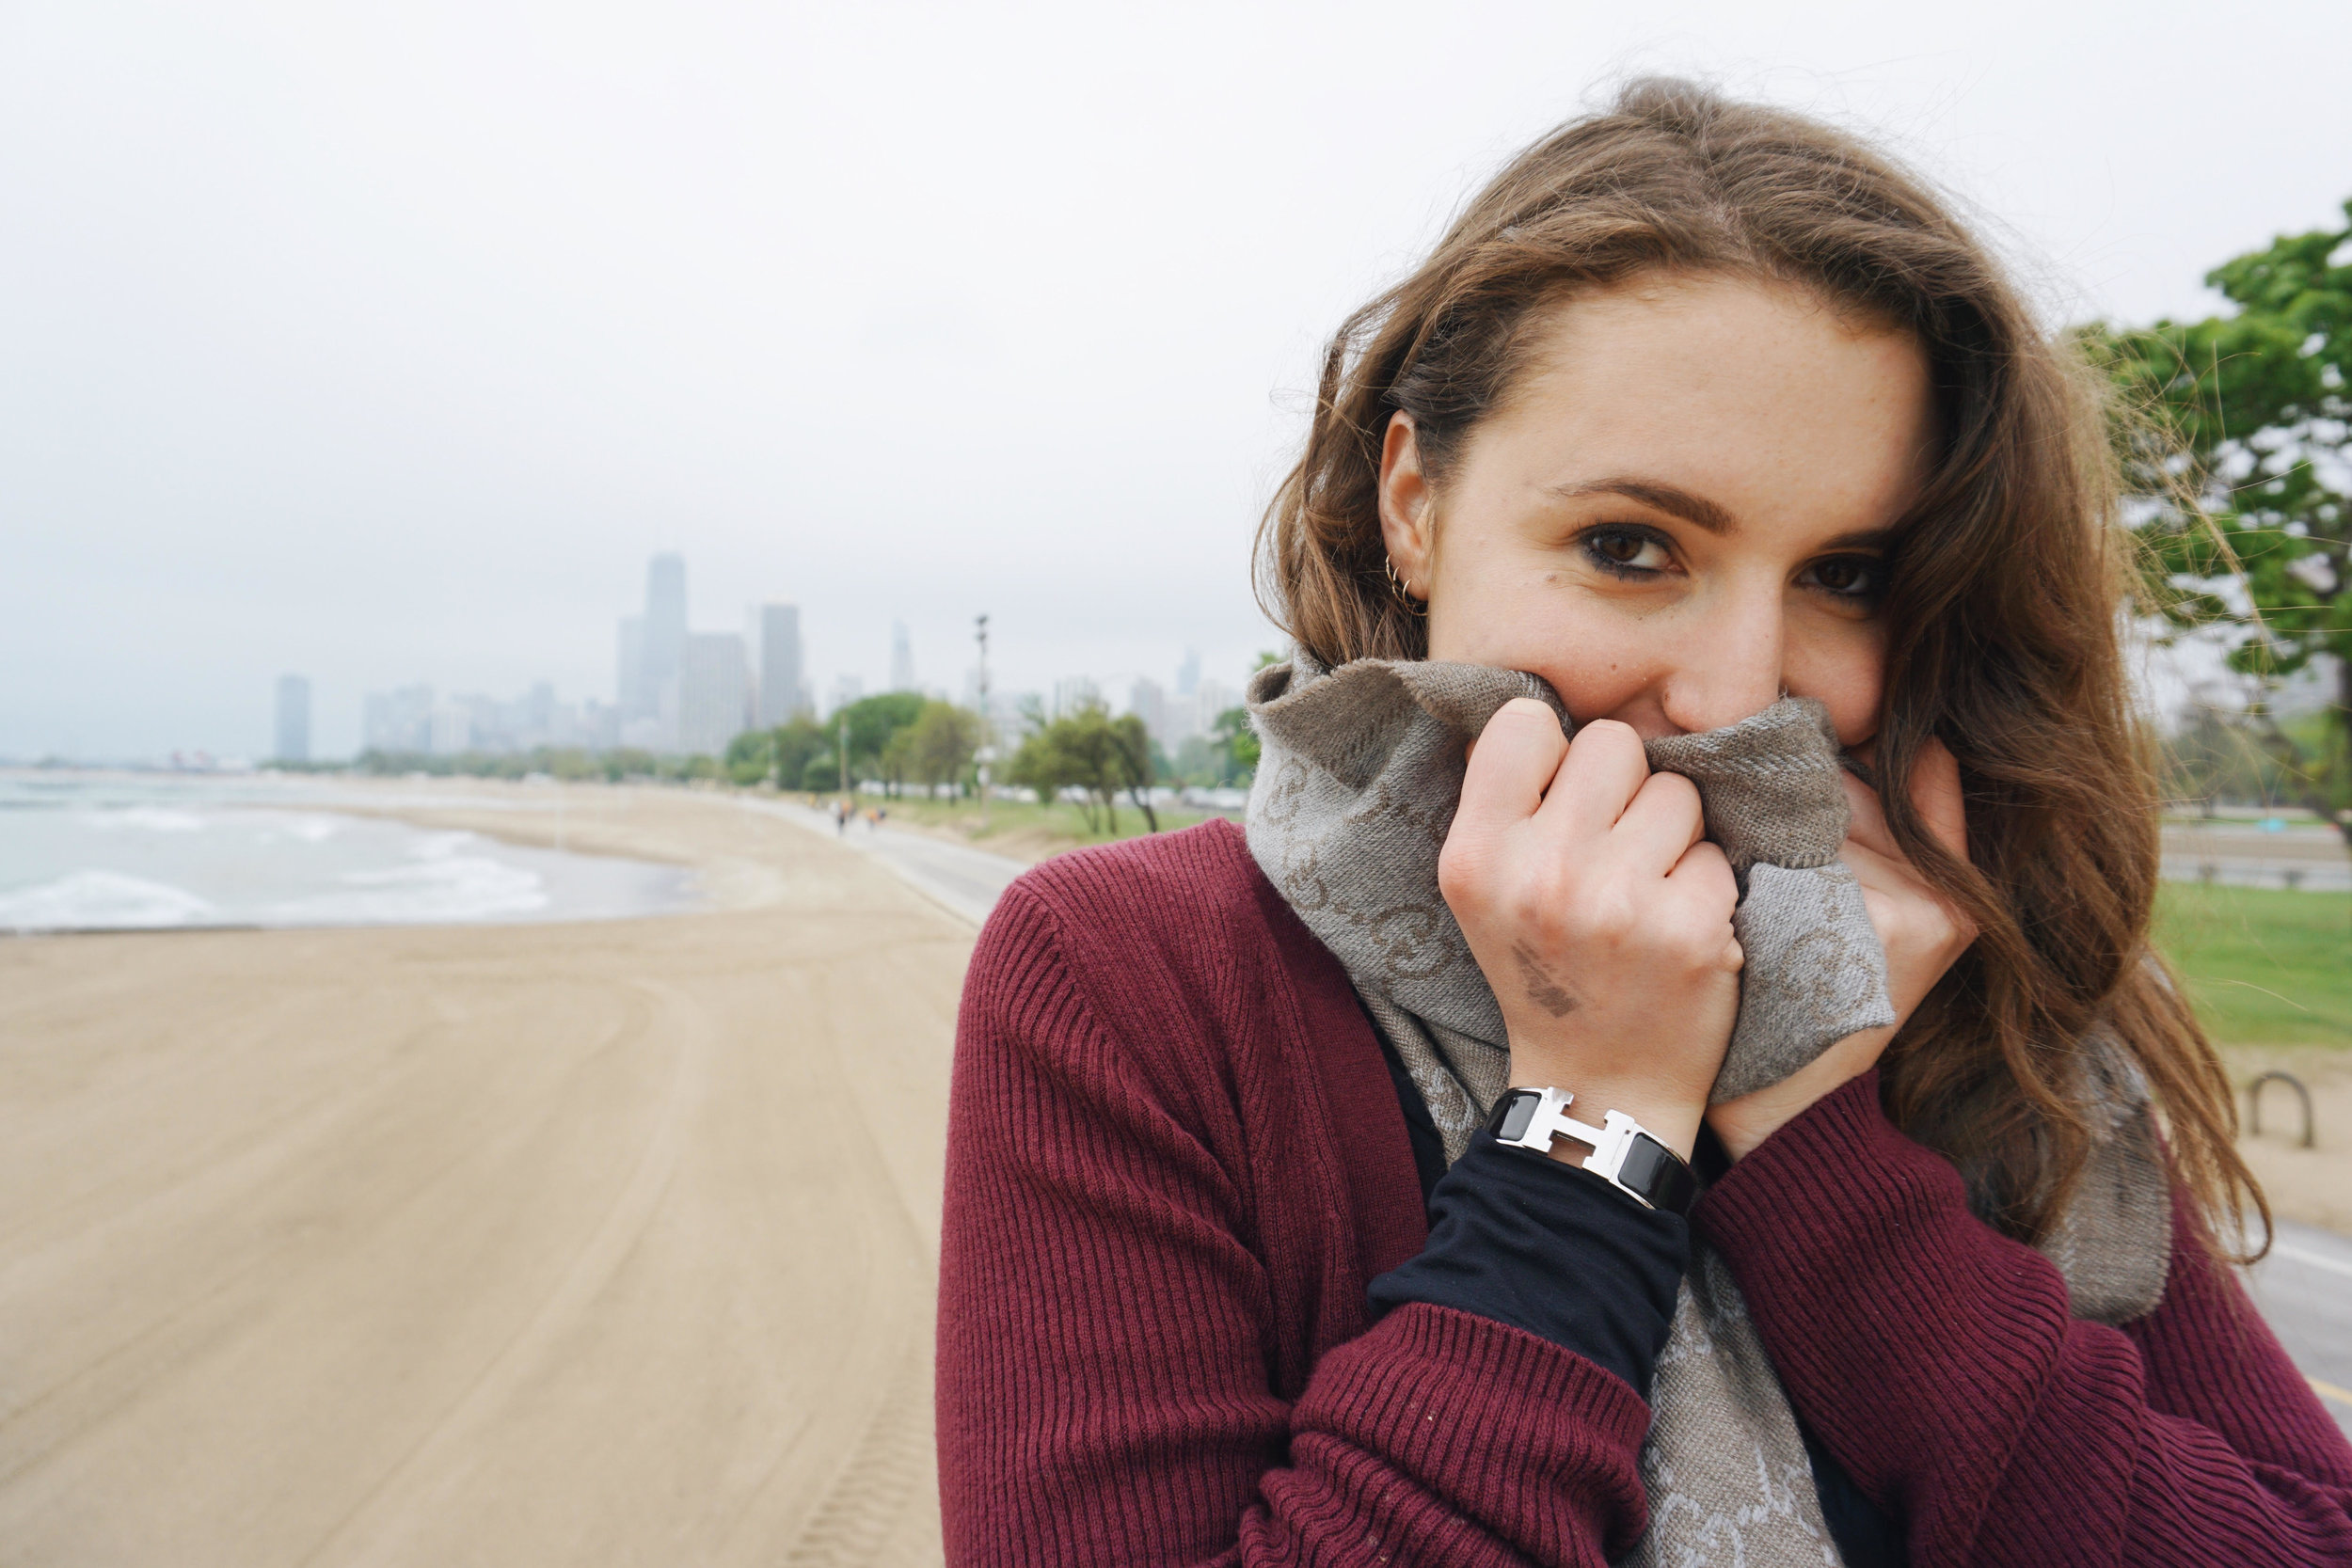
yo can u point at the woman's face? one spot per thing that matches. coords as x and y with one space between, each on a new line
1681 509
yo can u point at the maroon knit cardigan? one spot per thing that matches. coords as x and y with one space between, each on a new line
1176 1158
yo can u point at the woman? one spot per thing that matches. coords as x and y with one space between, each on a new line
1644 1139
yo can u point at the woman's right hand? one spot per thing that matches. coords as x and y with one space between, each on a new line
1599 916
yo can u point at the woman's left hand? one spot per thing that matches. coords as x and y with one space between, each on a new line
1922 934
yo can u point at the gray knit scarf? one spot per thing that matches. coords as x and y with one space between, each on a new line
1361 770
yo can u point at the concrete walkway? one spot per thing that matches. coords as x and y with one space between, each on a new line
2305 1289
966 881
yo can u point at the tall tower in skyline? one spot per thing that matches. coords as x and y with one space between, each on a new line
780 694
628 689
711 704
664 650
294 719
901 657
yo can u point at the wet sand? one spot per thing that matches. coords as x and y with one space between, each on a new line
603 1242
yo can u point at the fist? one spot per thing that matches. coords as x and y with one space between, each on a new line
1599 916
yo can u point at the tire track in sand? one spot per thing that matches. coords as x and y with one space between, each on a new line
423 1468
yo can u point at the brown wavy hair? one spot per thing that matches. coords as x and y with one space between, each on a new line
2006 589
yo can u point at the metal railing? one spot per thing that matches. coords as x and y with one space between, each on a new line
2254 1104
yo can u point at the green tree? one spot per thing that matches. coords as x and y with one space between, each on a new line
941 743
2241 461
630 762
1089 751
873 721
751 757
791 744
821 773
1238 742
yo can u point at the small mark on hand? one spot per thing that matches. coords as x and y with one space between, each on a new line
1542 989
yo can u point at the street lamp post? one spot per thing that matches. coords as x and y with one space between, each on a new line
987 751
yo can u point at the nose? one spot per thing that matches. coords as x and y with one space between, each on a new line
1729 663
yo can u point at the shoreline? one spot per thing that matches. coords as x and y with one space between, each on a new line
618 1235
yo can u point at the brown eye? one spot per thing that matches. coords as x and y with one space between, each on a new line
1849 577
1628 552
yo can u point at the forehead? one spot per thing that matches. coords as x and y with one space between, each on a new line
1754 393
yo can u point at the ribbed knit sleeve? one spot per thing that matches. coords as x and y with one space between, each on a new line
1937 1360
1107 1386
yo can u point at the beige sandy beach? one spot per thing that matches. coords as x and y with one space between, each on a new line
586 1243
591 1244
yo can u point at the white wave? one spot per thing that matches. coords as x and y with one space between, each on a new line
101 900
313 830
439 885
153 819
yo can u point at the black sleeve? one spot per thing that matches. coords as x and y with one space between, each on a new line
1545 1246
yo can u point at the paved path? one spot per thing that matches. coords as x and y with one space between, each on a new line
2241 854
966 880
2305 1289
2305 1286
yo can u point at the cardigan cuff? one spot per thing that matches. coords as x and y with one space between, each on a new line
1547 1247
1841 1145
1491 1419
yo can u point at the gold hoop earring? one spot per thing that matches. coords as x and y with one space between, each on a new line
1400 592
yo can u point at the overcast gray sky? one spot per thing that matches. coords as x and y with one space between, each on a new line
384 343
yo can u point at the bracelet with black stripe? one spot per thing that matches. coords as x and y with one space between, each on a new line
1625 1154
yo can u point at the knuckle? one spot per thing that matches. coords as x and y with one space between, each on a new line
1612 917
1612 740
1526 722
1608 732
1674 789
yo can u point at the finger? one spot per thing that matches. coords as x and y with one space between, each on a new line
1702 880
1935 795
1511 764
1604 770
1661 823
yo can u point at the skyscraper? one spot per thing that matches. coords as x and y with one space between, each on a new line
399 720
779 663
629 692
665 627
901 658
1146 702
713 698
294 719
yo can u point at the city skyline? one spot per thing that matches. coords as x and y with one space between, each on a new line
677 691
304 378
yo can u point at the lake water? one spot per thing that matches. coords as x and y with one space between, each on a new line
133 852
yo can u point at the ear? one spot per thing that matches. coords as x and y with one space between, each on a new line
1408 508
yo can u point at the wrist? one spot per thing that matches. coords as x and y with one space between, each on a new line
1672 1120
1623 1152
1744 1123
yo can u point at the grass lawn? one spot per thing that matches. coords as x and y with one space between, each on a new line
2263 966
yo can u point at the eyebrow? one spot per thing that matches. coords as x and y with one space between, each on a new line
1671 500
1862 539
